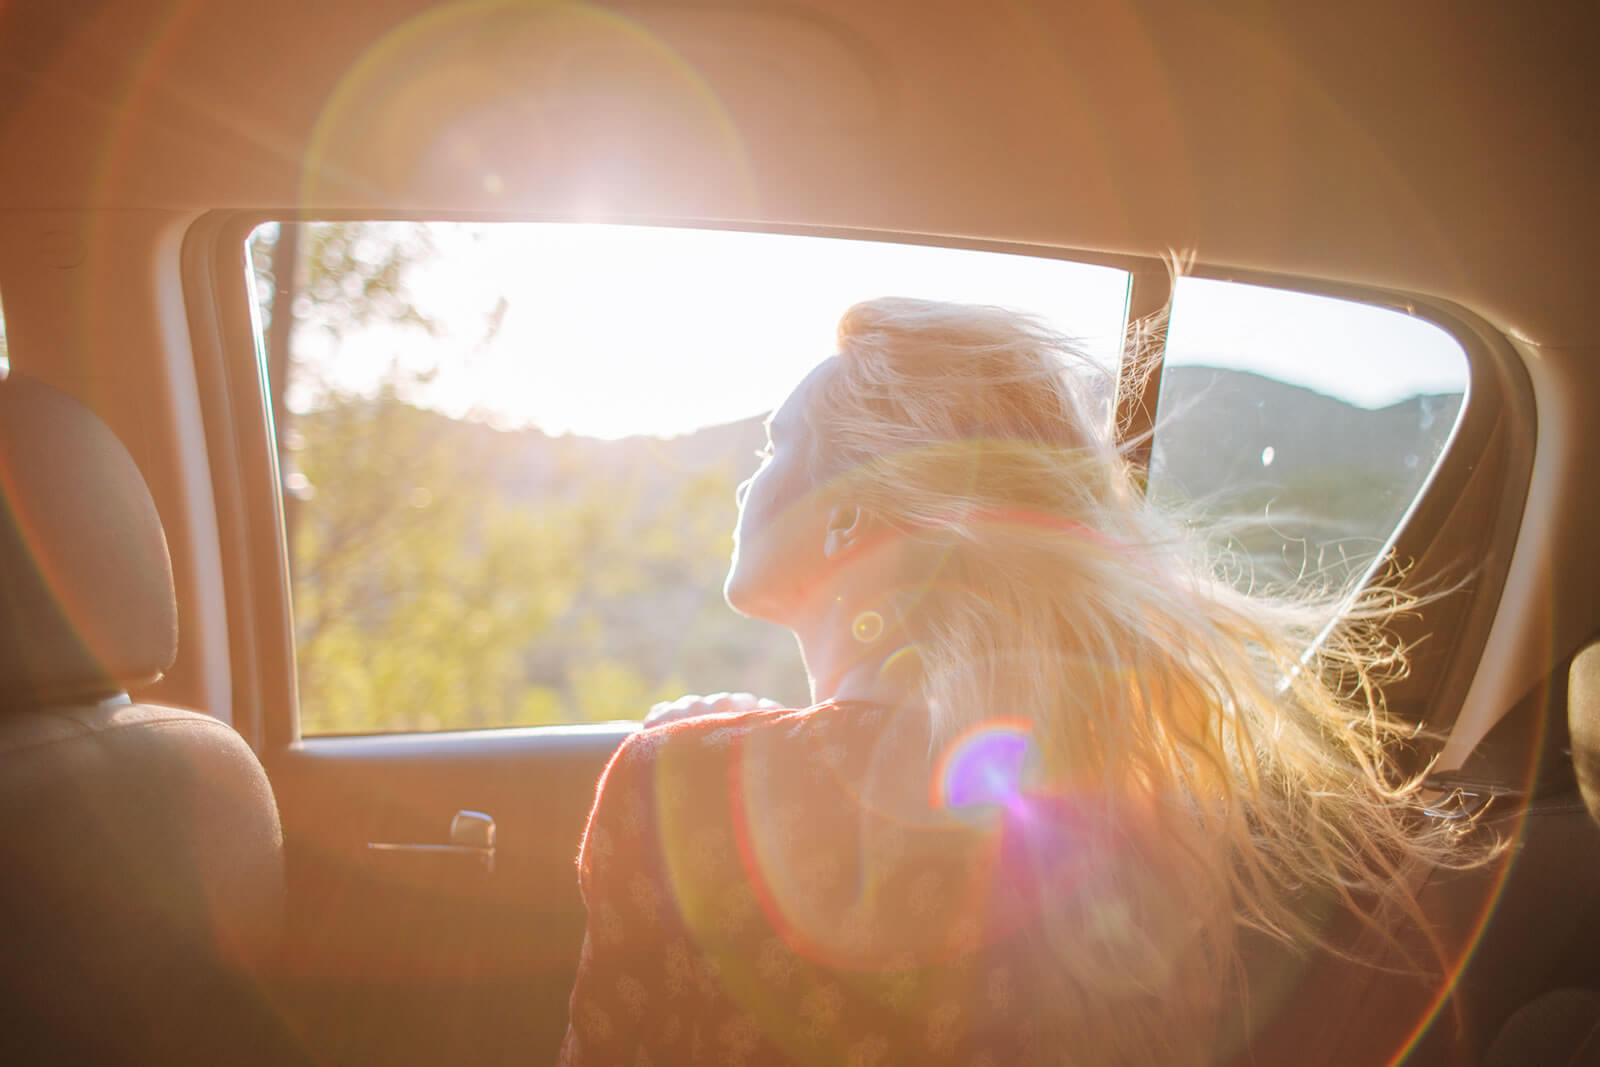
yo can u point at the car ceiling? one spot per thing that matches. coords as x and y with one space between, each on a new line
1443 148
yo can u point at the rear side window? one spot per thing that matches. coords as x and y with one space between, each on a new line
1300 428
509 451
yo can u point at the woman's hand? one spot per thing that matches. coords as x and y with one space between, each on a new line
687 707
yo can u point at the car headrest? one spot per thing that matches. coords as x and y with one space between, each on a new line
1583 720
86 600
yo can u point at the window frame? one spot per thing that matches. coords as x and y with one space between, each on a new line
5 345
1489 456
1490 450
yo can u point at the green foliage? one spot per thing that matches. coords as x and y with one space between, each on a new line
435 588
599 686
415 588
349 276
436 583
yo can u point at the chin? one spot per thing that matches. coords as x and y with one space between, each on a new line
732 594
747 601
736 588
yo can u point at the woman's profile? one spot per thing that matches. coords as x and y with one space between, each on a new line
1054 768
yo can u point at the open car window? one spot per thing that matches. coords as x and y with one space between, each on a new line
509 450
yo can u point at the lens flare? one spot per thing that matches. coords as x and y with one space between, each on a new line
867 627
984 766
545 98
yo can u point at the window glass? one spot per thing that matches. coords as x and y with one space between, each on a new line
509 451
1301 428
5 353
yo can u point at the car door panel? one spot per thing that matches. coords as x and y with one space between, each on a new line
424 955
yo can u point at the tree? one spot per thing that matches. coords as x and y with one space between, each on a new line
430 590
419 588
412 588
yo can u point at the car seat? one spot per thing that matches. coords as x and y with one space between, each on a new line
142 856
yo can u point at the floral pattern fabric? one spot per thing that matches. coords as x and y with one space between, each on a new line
783 887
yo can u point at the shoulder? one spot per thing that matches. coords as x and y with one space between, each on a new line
712 738
684 774
670 774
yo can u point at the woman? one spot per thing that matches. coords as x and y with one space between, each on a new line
1053 768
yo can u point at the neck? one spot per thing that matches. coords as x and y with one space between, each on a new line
858 653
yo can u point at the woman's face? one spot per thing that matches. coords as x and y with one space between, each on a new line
778 553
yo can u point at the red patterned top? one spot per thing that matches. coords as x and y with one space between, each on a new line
795 887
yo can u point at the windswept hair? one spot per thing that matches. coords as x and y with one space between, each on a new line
1234 748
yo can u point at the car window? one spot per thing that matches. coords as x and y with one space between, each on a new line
1299 428
509 451
5 353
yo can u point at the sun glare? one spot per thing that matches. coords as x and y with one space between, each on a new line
608 331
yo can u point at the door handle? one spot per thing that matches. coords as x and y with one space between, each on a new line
471 837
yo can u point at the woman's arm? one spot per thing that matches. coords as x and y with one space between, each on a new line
610 1009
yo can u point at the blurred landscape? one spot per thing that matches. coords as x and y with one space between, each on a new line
1304 488
451 575
447 574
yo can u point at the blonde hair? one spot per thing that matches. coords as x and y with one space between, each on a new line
1234 748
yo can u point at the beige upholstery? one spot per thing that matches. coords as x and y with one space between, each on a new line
1583 720
142 891
142 859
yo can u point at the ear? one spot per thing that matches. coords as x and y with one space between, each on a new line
846 527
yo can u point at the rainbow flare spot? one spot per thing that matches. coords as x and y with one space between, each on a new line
984 766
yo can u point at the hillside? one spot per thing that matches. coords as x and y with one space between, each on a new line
1239 446
558 578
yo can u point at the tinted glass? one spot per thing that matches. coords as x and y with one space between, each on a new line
1304 426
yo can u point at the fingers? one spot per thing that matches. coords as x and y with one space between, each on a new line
692 705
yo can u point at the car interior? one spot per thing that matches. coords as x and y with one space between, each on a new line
204 863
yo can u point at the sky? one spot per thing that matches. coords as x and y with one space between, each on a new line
614 330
